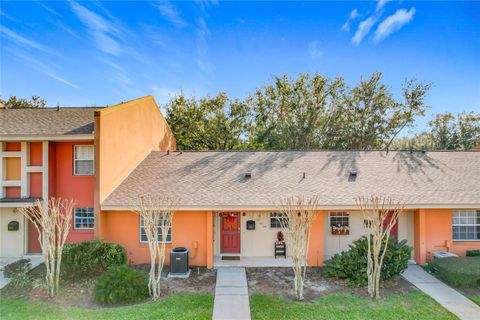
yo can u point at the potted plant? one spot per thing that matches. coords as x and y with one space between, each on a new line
340 230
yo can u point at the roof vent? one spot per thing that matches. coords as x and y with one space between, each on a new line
248 175
352 176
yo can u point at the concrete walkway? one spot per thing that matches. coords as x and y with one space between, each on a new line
449 298
35 260
231 295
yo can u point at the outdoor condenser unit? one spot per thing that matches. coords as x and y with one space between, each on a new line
179 262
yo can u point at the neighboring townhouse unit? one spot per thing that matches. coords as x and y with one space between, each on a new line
44 153
221 193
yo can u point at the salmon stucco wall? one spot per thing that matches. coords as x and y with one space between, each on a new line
433 232
69 186
316 246
189 230
124 135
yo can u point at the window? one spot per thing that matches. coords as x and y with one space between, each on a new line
83 160
84 218
143 235
339 219
275 219
466 225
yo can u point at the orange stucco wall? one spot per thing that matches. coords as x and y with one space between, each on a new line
69 186
189 229
35 154
13 168
433 232
13 146
124 135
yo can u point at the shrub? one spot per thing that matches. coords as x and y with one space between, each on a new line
121 284
352 264
459 272
17 267
473 253
91 258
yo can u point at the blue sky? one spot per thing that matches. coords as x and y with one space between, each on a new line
100 53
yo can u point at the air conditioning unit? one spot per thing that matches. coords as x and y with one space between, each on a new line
443 254
179 263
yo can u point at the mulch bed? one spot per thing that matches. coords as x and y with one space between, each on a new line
80 293
279 281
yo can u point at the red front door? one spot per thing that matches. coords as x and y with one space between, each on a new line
394 230
230 233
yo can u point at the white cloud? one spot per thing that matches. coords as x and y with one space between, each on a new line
314 49
22 41
352 16
363 29
171 13
381 4
43 68
202 47
105 34
393 23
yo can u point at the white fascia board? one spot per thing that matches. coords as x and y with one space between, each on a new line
16 204
276 208
50 137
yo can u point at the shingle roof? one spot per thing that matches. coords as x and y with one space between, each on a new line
48 121
217 179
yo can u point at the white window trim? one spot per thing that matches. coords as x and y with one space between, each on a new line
336 212
75 160
276 218
140 232
75 216
465 225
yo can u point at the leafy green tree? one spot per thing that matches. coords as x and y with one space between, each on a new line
313 112
294 113
18 103
211 123
446 132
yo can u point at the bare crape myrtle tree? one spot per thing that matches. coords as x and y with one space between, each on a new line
53 223
380 214
157 216
298 216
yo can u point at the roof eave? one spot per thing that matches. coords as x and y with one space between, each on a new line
46 137
274 208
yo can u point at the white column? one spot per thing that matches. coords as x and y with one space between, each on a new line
24 189
2 173
45 171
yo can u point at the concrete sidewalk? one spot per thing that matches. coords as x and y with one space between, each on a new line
231 295
35 260
449 298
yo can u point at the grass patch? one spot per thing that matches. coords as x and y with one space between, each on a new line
459 272
413 305
178 306
475 298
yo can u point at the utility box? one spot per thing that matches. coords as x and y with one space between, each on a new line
179 263
443 254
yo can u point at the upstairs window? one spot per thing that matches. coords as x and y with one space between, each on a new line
466 225
83 160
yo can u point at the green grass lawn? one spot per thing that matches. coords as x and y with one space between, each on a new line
178 306
413 305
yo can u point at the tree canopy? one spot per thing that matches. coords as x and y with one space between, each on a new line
18 103
302 113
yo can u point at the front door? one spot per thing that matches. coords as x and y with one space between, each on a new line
394 230
230 232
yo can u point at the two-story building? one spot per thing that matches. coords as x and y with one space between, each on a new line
45 153
107 158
